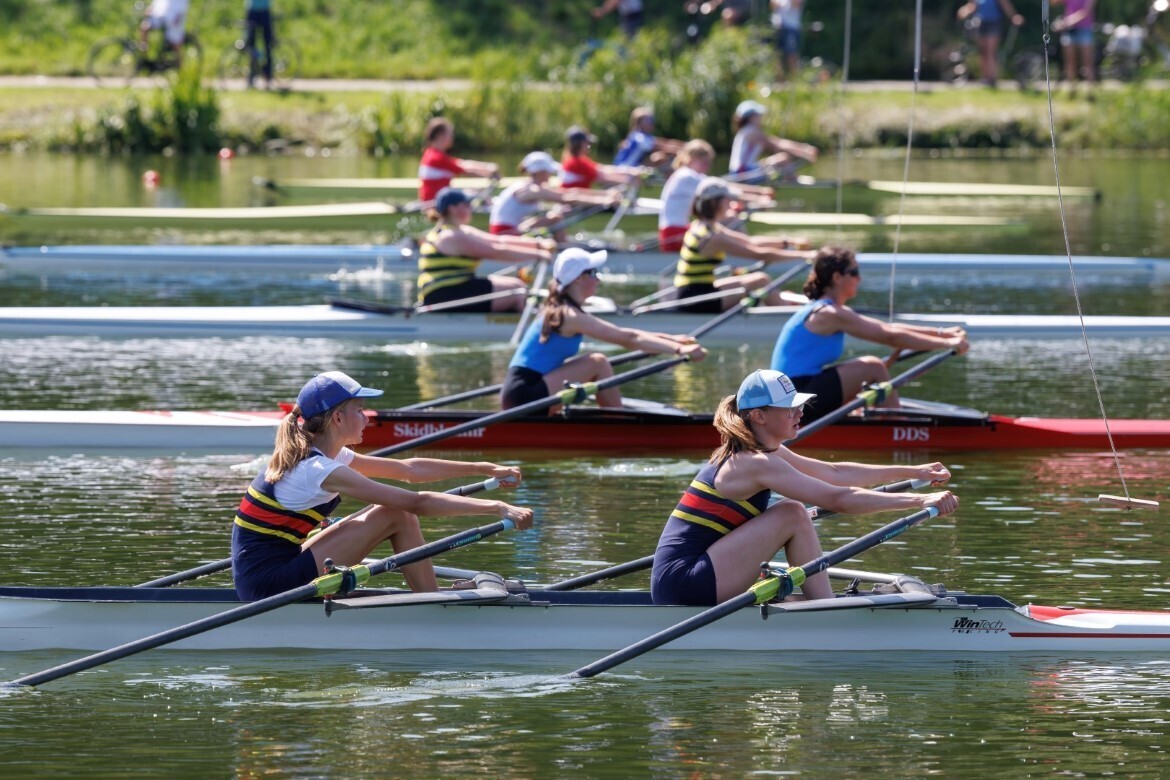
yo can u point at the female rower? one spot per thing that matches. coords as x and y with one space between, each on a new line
578 170
722 528
514 211
437 168
815 337
312 468
453 249
545 360
678 194
641 146
706 245
751 141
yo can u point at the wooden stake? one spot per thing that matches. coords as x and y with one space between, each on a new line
1128 503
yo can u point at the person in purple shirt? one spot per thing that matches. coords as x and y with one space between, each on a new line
1076 39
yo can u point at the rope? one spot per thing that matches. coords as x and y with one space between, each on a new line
841 114
909 146
1068 254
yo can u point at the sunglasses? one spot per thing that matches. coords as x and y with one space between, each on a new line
855 272
591 272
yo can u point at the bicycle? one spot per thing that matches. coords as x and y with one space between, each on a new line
121 58
1136 51
1024 67
239 62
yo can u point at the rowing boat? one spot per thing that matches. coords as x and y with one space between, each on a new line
898 614
393 260
759 325
389 187
644 428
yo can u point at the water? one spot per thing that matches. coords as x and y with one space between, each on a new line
1029 529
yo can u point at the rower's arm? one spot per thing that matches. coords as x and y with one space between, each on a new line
431 469
631 338
479 168
892 335
739 244
471 242
793 148
351 484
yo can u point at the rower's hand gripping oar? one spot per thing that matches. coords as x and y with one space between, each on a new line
340 581
226 563
768 589
641 564
530 305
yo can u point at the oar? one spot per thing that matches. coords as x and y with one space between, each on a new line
226 563
340 581
572 394
748 302
769 589
872 395
645 562
530 305
630 198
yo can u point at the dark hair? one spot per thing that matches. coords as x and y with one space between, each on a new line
828 261
741 121
735 434
706 209
436 127
575 145
553 310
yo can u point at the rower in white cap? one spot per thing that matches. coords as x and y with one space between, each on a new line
516 210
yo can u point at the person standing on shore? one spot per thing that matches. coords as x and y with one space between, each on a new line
630 12
258 18
1076 39
991 15
787 24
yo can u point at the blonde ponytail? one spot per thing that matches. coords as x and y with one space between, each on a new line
734 432
294 442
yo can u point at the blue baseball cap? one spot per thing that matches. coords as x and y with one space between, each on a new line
766 387
448 197
325 391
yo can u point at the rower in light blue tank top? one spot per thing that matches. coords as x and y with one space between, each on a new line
799 351
548 356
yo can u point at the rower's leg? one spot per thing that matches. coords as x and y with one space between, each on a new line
512 302
586 368
857 373
350 540
737 556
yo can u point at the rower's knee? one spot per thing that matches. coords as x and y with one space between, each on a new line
390 521
790 517
601 365
875 368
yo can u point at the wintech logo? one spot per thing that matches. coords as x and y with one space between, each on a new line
968 626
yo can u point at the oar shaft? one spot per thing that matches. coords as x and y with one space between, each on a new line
607 573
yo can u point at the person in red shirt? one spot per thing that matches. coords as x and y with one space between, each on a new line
578 170
437 168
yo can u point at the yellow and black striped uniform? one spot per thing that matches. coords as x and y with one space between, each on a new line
438 271
695 266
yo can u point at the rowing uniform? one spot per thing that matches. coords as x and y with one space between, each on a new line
745 150
695 272
579 171
683 572
435 171
443 278
275 519
635 148
533 359
678 196
508 211
805 356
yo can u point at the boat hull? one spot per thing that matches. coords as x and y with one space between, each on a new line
90 619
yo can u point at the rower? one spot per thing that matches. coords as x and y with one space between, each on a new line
515 210
751 141
579 170
453 249
722 527
545 360
813 339
641 146
274 547
437 168
678 194
708 242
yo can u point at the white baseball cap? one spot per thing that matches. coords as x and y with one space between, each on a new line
748 107
711 188
539 162
575 261
766 387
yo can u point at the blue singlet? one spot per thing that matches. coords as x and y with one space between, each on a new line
799 351
546 357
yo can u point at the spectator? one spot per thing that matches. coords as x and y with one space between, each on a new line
1076 39
258 18
990 15
628 11
170 16
786 23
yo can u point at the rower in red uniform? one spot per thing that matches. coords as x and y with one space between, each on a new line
313 467
437 168
723 527
579 170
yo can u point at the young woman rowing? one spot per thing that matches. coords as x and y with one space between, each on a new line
707 243
437 168
450 253
641 146
545 360
751 141
516 209
579 170
678 194
312 468
722 528
814 338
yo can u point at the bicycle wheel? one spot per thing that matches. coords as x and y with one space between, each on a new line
233 64
955 70
112 60
286 65
1028 69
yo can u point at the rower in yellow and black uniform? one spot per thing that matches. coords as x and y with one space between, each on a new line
707 244
312 468
453 249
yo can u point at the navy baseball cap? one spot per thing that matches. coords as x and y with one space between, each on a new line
448 197
325 391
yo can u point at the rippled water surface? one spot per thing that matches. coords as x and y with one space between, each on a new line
1029 529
